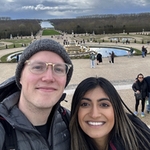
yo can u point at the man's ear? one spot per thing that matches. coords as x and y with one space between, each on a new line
20 82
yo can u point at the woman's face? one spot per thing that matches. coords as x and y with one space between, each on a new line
96 114
140 78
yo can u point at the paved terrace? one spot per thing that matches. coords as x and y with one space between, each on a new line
121 74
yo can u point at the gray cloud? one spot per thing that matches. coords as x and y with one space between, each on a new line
48 9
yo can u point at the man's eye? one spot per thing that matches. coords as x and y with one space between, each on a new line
59 69
37 67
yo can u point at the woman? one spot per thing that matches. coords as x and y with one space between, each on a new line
140 86
112 56
109 58
99 122
99 58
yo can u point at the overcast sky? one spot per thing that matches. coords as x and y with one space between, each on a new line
52 9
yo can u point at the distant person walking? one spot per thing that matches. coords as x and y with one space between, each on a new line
131 51
17 58
99 58
92 57
141 92
109 58
143 51
112 57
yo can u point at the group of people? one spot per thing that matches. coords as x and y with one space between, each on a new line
111 57
141 87
30 104
99 58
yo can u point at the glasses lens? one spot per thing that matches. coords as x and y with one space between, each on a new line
60 69
37 67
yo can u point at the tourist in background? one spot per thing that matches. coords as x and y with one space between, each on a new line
147 79
131 51
143 51
17 58
99 121
109 58
92 57
99 58
141 92
112 57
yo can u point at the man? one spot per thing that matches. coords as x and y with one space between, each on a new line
92 57
143 51
131 51
147 79
43 72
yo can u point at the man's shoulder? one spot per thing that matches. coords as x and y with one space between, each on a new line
8 87
8 134
2 134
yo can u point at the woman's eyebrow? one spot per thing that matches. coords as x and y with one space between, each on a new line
102 99
84 98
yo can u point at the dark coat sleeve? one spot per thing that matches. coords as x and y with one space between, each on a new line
134 87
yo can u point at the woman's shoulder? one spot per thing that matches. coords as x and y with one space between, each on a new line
138 122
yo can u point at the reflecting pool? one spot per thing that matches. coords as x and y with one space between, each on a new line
105 51
46 24
121 38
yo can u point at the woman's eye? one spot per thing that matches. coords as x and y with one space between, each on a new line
84 104
104 105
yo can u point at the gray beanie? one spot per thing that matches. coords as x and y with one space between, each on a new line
43 45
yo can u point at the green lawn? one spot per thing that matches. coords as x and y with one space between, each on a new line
50 32
15 43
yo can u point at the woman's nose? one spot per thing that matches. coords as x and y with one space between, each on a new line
95 112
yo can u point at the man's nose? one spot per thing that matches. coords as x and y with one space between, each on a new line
48 75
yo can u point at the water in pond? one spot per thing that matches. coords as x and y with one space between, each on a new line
121 38
105 51
46 24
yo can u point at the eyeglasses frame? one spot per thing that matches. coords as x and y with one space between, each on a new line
51 64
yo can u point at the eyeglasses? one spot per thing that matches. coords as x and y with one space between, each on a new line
39 67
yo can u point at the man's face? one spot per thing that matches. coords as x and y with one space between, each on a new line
41 91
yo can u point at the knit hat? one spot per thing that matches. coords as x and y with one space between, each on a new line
43 45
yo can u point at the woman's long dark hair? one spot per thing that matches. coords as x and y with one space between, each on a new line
123 128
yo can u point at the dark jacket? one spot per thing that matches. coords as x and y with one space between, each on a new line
142 87
99 57
28 137
118 142
147 79
92 57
